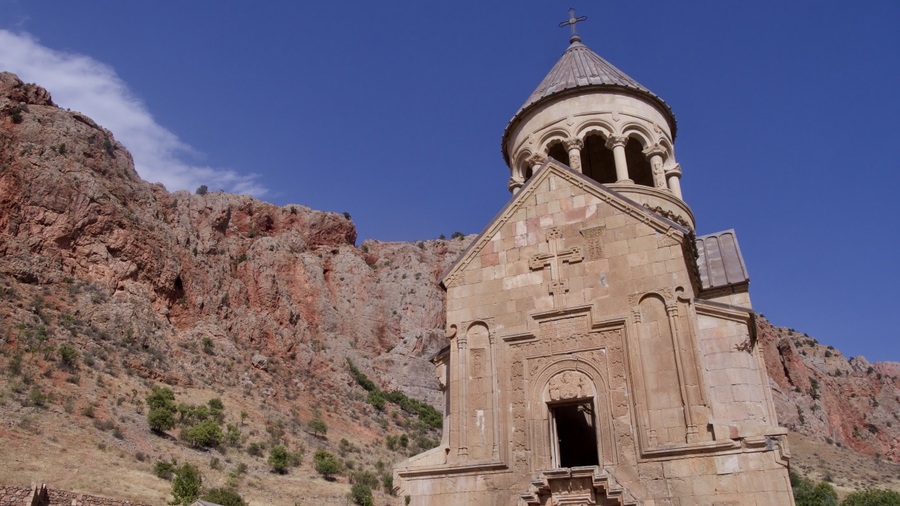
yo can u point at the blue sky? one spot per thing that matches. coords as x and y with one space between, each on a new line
392 111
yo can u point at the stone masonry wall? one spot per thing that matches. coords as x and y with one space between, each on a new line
24 496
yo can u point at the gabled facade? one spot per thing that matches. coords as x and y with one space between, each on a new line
599 352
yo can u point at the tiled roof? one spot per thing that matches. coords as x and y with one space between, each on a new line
579 67
720 261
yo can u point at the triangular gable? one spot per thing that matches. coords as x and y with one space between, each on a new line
552 167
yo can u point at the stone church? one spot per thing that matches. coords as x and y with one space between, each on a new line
600 352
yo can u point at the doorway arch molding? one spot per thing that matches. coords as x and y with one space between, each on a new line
539 424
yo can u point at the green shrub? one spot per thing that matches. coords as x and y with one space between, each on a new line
68 357
160 419
216 406
872 497
278 459
161 402
391 442
361 378
186 485
232 435
376 399
326 464
362 495
255 449
387 483
202 189
16 114
431 417
37 397
205 434
164 470
190 414
367 478
809 493
317 426
223 496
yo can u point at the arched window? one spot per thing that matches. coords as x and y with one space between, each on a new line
558 152
639 169
597 160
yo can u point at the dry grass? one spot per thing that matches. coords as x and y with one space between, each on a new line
845 469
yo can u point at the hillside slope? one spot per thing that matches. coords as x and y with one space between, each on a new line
110 285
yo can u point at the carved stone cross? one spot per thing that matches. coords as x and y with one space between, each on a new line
554 259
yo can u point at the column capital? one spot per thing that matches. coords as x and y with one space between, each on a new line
615 141
674 170
514 184
536 159
656 150
573 143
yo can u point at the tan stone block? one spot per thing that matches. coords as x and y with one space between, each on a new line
553 207
680 468
651 471
659 268
769 498
646 242
680 488
615 248
704 485
616 221
638 259
657 488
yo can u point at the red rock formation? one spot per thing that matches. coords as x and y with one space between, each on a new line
820 393
176 268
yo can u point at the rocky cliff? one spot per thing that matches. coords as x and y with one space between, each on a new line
223 295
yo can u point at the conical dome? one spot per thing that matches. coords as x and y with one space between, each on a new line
580 68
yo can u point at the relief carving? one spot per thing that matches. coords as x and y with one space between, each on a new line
563 327
554 259
594 241
569 385
670 238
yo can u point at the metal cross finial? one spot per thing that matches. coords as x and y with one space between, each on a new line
571 22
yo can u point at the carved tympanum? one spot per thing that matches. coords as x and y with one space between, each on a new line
569 385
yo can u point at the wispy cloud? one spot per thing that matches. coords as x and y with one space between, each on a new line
79 82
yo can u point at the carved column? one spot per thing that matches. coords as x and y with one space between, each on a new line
536 160
495 386
656 155
574 146
462 450
674 177
691 434
617 144
515 184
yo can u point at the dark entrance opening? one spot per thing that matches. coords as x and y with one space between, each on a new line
639 169
576 435
597 161
558 152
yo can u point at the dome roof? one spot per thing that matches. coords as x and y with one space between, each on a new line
580 68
